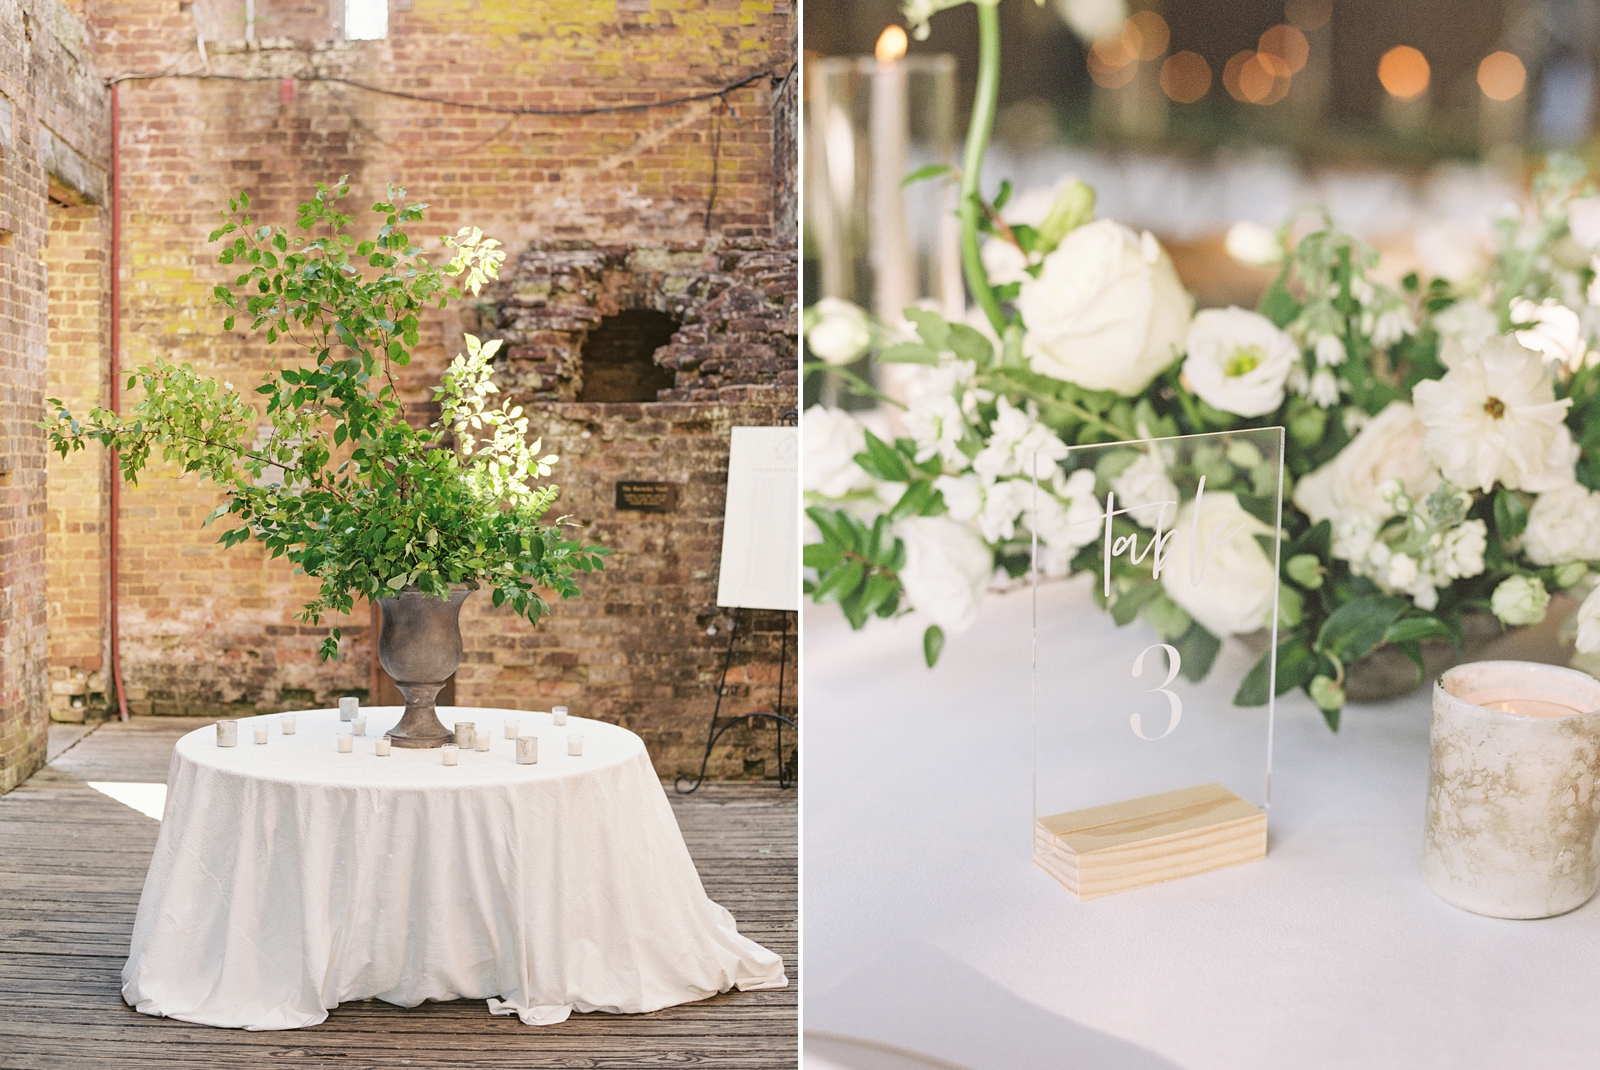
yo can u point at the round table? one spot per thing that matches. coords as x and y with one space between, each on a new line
289 878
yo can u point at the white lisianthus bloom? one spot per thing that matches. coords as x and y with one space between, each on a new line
1238 361
1552 330
1492 418
947 570
1461 550
837 331
1330 351
1563 526
1387 448
1323 389
1254 245
1144 483
832 439
1467 323
1226 582
1589 623
1018 445
1107 311
1520 600
935 424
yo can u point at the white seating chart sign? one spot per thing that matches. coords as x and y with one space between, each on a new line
761 521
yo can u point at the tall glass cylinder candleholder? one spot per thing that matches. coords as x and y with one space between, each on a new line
869 124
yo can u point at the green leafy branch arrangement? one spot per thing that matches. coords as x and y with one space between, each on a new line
337 479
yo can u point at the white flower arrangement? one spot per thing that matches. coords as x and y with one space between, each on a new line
1439 439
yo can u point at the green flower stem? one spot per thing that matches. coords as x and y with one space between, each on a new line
982 125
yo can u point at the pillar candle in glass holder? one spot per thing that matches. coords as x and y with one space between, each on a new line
288 724
346 743
261 733
558 714
358 726
450 753
890 126
1512 812
348 707
480 742
227 733
466 733
512 728
380 746
527 750
574 743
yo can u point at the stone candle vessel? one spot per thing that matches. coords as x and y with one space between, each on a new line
1513 813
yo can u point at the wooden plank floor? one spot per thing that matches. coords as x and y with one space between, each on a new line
72 863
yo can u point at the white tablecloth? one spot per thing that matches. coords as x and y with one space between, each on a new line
289 878
929 928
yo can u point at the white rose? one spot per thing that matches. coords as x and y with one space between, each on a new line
1107 311
947 569
837 331
1563 525
832 439
1253 245
1553 330
1388 447
1230 586
1238 361
1520 600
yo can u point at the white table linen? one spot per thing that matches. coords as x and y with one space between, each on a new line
289 878
929 928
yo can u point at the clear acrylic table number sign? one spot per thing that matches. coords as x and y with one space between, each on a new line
1155 583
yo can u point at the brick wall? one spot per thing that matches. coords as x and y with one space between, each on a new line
53 118
205 632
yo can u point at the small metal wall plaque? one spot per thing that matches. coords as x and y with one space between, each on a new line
641 497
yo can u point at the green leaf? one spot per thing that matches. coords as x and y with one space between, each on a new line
932 644
1510 514
822 555
1128 604
1296 665
970 344
882 461
916 501
1356 628
840 583
1198 648
879 587
908 353
1415 629
1278 305
933 328
933 170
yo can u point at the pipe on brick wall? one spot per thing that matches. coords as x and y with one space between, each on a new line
116 391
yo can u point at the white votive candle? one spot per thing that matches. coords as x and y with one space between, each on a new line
346 744
559 714
466 731
288 724
574 743
527 750
512 728
261 733
381 747
358 726
480 742
227 733
348 707
450 753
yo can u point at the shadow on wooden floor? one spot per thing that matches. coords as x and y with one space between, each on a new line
72 863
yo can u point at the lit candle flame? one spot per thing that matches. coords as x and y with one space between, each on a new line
891 46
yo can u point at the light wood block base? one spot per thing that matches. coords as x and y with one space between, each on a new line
1130 844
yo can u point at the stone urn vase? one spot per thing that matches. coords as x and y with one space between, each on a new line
419 648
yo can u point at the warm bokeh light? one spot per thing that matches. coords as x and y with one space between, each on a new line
1111 64
1501 76
1251 78
1287 44
891 45
1230 74
1308 14
1185 77
1404 72
1153 35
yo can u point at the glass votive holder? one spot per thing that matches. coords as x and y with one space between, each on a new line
466 733
574 743
358 726
480 743
450 753
380 746
346 743
527 750
288 724
512 728
558 714
227 733
348 707
260 733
